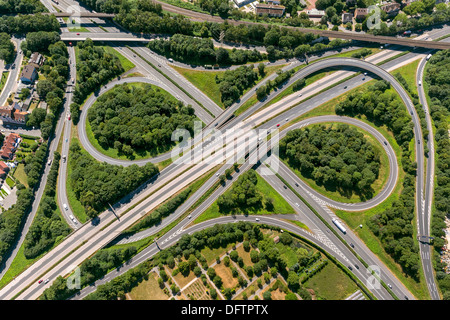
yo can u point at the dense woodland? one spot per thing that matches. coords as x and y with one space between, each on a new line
11 219
437 77
190 49
48 225
98 184
339 158
136 119
95 67
22 24
7 48
21 6
393 226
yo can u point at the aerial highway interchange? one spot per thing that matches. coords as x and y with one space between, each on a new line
268 115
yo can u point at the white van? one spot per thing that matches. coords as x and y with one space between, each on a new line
65 206
170 60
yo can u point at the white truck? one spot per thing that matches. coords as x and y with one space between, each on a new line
339 225
428 57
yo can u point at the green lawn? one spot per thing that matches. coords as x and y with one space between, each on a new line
10 182
80 29
266 190
205 80
3 80
19 174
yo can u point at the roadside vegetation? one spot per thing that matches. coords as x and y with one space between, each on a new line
437 70
201 51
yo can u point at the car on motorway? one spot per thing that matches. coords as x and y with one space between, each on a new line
350 267
365 73
420 82
297 204
189 216
287 119
65 206
278 125
345 87
284 187
40 281
356 266
300 95
364 78
296 184
78 34
389 285
352 245
49 162
46 281
385 142
257 219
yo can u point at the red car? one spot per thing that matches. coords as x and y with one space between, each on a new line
40 281
278 125
78 34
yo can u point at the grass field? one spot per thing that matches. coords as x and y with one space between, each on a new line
331 283
148 289
280 205
19 174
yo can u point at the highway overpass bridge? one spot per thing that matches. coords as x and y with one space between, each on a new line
103 36
82 14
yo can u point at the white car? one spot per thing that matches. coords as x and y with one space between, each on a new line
257 219
46 281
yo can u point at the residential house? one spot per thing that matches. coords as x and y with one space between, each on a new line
241 3
9 146
314 13
36 60
21 116
29 74
391 8
347 17
6 111
270 9
4 169
361 13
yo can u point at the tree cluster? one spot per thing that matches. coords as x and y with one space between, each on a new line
337 157
278 82
138 119
436 73
48 225
7 48
201 50
21 6
90 270
98 184
233 83
243 195
11 219
94 68
23 24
